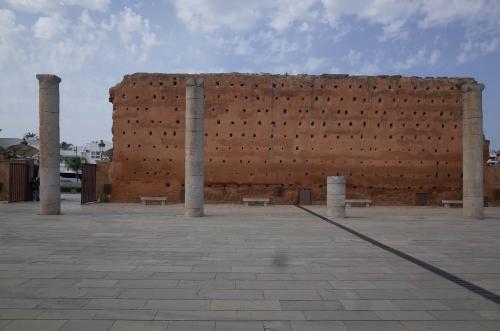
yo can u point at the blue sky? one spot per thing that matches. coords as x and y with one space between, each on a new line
91 44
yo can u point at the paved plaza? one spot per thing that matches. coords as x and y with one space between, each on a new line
133 267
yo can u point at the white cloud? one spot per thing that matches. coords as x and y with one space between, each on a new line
33 6
422 57
277 48
412 61
242 47
305 27
289 11
135 33
473 49
313 64
395 15
392 16
50 6
48 27
69 51
10 33
60 45
209 16
341 32
368 68
100 5
394 30
435 56
236 45
261 47
375 11
353 56
442 12
335 70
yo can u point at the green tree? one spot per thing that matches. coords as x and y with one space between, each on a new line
73 163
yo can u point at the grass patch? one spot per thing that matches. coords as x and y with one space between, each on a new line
71 189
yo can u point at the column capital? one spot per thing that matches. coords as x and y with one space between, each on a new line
48 80
195 82
473 87
335 179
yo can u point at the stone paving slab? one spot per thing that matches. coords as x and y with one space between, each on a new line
132 267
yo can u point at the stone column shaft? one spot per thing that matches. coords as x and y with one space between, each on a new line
194 146
335 196
473 140
50 187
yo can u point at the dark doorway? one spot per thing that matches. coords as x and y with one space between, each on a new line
19 182
88 183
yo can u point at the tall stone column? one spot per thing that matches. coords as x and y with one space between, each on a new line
194 145
50 187
335 196
473 192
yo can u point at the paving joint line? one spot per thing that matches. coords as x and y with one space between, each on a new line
489 295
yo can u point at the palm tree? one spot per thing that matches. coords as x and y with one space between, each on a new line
30 135
66 146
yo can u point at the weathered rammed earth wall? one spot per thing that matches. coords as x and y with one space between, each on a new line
269 135
492 185
102 178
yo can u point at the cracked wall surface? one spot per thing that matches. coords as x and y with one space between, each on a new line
398 140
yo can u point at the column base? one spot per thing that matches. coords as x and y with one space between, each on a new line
193 213
473 207
336 212
50 210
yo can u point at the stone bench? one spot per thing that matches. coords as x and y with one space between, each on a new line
365 202
449 203
264 201
161 200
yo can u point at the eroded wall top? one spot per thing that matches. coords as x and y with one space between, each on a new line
393 137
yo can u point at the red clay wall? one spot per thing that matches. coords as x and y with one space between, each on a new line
269 135
102 179
492 185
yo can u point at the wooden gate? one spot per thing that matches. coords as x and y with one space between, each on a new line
19 182
88 183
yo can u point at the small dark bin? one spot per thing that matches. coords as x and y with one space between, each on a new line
107 189
421 199
305 196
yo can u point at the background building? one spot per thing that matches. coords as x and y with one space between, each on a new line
89 153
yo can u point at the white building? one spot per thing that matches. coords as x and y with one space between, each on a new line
89 153
95 150
494 158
